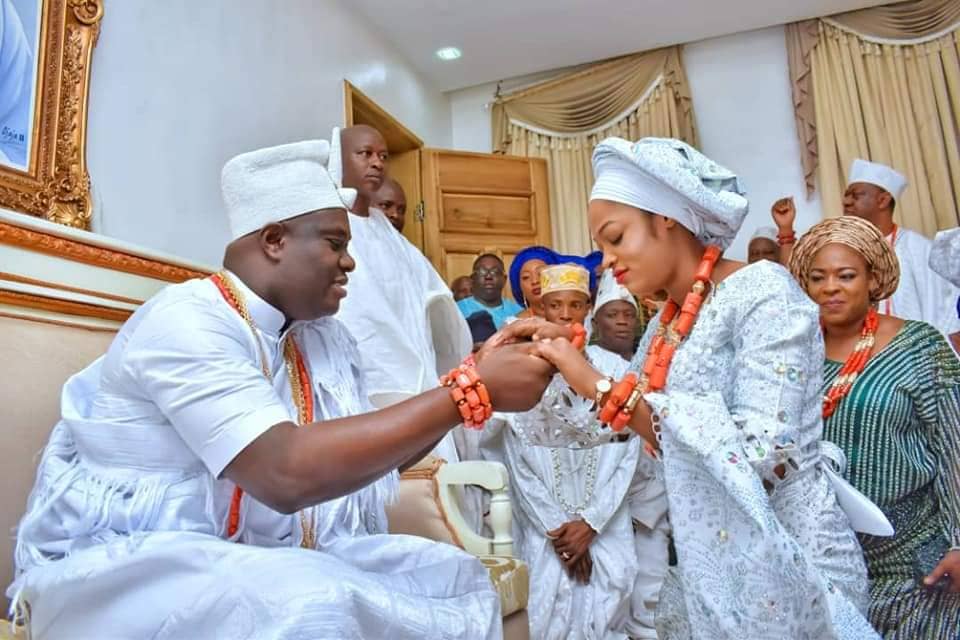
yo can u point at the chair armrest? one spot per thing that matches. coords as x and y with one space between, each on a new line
493 477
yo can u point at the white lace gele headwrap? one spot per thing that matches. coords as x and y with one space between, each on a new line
670 178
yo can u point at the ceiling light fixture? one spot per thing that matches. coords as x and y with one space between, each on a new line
448 53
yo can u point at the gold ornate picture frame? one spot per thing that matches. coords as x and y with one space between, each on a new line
49 178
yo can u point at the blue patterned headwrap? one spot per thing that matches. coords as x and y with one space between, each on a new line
536 252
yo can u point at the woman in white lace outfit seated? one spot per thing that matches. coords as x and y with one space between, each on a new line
727 389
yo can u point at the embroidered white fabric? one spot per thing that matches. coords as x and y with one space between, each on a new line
758 556
922 294
408 329
671 178
945 255
124 528
551 486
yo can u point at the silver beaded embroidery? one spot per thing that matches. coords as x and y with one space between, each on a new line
758 531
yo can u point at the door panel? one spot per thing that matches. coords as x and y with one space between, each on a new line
483 172
405 169
480 203
486 214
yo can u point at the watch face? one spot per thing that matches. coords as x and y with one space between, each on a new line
604 386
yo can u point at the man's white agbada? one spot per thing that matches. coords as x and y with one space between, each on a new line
279 183
400 312
125 529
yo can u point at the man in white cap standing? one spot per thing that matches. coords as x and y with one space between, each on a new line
763 245
872 193
217 473
572 520
400 311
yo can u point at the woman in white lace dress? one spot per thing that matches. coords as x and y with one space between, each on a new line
763 547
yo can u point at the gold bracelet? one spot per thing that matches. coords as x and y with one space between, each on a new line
632 400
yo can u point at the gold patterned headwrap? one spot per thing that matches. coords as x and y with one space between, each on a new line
861 236
565 277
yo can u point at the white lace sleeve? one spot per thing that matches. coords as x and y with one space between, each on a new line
564 419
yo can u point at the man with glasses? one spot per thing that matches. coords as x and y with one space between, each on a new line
489 277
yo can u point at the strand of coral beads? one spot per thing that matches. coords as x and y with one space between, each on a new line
676 322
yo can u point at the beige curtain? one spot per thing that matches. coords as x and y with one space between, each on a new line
801 39
563 119
883 84
916 19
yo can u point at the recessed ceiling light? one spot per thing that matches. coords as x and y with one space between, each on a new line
449 53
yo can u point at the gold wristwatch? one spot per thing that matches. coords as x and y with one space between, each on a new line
603 387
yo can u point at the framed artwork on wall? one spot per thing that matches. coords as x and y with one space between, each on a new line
45 53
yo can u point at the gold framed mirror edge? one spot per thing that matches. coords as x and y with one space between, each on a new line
55 184
77 250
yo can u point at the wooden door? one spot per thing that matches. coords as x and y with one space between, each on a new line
405 169
481 203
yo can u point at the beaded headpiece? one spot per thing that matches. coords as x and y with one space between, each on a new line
565 277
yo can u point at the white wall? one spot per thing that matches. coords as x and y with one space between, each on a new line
470 109
178 87
470 118
744 112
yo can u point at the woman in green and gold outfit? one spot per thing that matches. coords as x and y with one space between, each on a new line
892 405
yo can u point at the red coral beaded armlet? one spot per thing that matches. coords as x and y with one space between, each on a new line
579 339
469 394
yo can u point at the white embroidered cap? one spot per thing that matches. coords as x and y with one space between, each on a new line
670 178
878 174
945 255
279 183
610 290
564 277
768 233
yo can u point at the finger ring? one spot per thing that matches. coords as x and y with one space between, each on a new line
565 555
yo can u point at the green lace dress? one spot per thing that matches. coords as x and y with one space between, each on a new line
900 429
